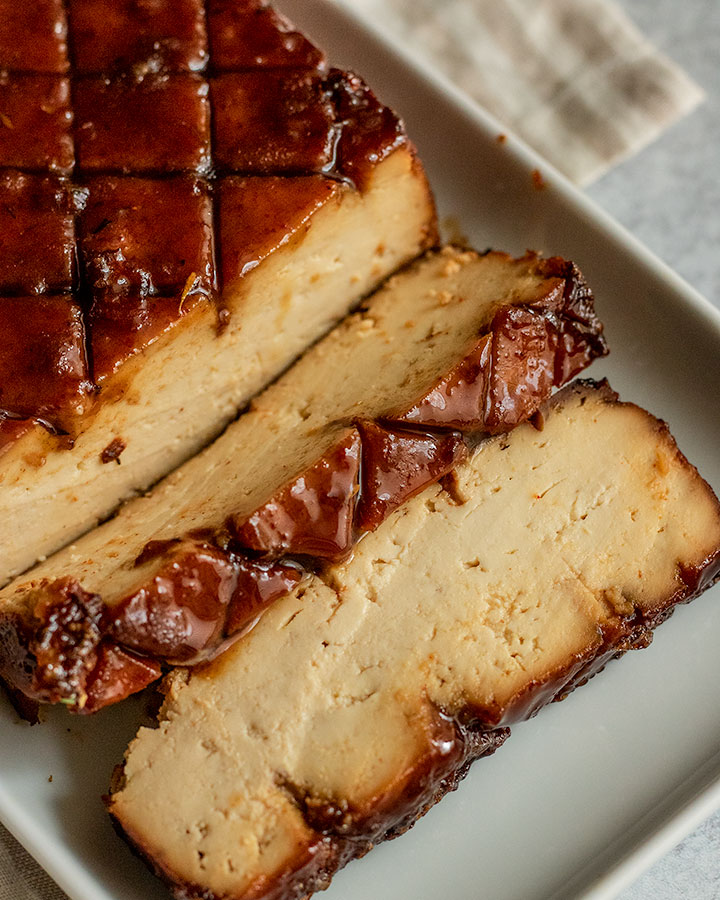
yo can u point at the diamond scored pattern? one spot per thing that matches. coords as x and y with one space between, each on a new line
137 35
158 124
276 121
129 131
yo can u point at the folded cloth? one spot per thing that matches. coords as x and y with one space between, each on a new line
574 78
21 878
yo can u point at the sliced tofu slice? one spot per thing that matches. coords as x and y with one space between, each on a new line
360 699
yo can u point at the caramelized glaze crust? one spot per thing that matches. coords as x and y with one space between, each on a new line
44 348
37 235
107 38
36 123
33 36
165 120
251 34
129 133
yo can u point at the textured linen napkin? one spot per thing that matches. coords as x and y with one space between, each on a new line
21 878
574 78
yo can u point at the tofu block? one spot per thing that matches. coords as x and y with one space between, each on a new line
190 224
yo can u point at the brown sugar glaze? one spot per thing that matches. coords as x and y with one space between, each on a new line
151 155
205 588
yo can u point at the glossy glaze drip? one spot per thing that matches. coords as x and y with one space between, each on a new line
397 464
527 352
44 356
86 655
117 674
200 596
311 515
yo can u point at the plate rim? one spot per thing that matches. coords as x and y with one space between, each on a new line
694 804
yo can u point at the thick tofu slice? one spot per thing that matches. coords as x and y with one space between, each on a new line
359 700
457 345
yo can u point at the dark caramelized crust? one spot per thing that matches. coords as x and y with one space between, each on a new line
36 123
313 514
267 122
44 348
139 35
252 34
97 90
370 131
166 122
358 702
147 248
37 234
212 594
142 237
397 464
338 841
201 581
258 585
528 350
77 652
33 36
66 650
117 674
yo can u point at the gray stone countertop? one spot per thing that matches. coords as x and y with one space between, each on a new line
669 197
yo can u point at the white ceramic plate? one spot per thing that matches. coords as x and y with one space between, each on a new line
585 796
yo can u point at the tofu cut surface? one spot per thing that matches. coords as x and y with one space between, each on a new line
206 202
360 698
456 345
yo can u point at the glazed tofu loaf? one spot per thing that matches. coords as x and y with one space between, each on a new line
189 197
361 698
458 345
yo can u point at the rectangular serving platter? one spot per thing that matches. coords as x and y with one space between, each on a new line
584 797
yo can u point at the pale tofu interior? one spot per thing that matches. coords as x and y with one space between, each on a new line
413 331
463 607
181 391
